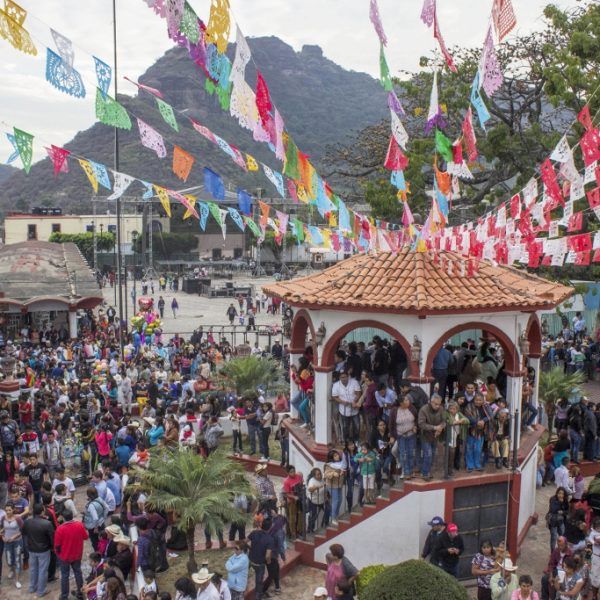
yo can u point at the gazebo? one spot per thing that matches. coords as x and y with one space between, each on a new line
421 300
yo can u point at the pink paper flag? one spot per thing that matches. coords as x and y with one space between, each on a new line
437 34
152 139
58 156
492 75
428 12
376 20
469 134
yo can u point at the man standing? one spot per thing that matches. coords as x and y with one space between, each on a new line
431 425
439 370
346 393
262 545
161 307
449 549
68 545
479 415
231 313
432 541
9 432
561 476
40 539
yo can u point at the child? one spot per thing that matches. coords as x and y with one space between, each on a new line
343 590
235 415
149 586
367 459
578 483
242 318
95 576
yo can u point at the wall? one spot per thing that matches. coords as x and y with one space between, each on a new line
528 489
392 535
301 459
208 241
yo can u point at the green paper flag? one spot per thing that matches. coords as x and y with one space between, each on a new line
214 211
443 145
299 227
252 226
24 142
224 95
386 80
110 112
189 24
166 110
290 166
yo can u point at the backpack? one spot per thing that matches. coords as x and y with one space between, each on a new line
275 420
59 507
8 434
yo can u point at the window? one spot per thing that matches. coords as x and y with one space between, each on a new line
55 227
238 252
216 253
32 232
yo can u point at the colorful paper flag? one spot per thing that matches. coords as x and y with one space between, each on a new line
503 17
24 143
121 182
376 20
103 75
110 112
182 163
213 184
163 196
90 174
167 113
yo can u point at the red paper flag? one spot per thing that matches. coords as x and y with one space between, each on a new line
551 182
547 260
585 118
58 156
580 243
582 259
575 221
515 206
263 99
596 257
457 153
593 197
395 159
437 34
504 18
469 135
590 146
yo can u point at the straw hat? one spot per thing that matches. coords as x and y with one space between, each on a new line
123 539
114 530
202 576
507 565
260 468
150 421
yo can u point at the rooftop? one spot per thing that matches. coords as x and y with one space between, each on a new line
418 283
33 271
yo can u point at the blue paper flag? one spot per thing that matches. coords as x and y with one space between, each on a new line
323 203
236 217
213 184
62 77
482 112
15 154
101 174
148 192
245 202
315 234
203 210
441 199
104 75
397 180
343 216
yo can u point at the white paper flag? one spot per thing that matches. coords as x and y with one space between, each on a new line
122 182
562 153
590 173
398 130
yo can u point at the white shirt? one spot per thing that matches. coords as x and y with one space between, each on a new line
347 395
210 593
561 478
68 482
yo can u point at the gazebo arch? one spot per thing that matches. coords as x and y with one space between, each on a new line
533 333
300 325
511 354
327 359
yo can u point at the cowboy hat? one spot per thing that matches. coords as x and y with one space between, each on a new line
202 576
150 421
260 468
114 530
123 539
507 565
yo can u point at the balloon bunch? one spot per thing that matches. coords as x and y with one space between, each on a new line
146 322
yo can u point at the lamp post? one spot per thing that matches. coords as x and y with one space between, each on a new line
134 237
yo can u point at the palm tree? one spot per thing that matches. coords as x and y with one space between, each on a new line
196 490
556 384
246 373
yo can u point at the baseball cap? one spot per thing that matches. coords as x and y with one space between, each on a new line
320 591
452 527
436 521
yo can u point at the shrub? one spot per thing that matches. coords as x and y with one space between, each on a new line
413 580
366 575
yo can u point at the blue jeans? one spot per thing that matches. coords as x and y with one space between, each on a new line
428 456
336 501
554 533
473 452
259 575
350 481
38 572
533 411
13 554
406 452
65 571
576 440
304 408
252 433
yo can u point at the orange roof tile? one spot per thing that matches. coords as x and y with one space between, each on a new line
412 282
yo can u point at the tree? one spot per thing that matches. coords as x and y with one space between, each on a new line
246 373
195 489
413 580
556 384
170 244
85 242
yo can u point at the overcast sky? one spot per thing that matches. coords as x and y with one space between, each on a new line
341 27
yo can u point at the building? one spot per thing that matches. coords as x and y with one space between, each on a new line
44 284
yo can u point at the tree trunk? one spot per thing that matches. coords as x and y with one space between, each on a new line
192 566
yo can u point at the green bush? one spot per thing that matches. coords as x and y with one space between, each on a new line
413 580
365 575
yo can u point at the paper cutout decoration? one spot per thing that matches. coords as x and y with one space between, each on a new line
242 56
203 215
213 184
251 163
395 159
174 14
121 182
15 152
90 174
263 99
384 71
12 30
492 75
166 111
434 114
244 202
62 77
237 218
437 34
101 174
103 75
149 191
585 118
397 180
477 101
253 227
219 23
58 156
151 139
24 143
562 152
590 146
549 178
279 132
189 26
398 130
110 112
275 178
503 17
394 103
187 201
146 88
65 48
376 20
182 163
163 196
428 12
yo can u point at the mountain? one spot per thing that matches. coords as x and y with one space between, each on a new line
6 172
322 104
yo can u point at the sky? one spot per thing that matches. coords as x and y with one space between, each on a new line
341 27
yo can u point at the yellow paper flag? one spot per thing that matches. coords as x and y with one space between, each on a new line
219 25
188 212
87 169
251 163
161 192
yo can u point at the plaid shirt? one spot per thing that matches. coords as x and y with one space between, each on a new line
265 487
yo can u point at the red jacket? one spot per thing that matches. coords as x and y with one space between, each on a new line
69 539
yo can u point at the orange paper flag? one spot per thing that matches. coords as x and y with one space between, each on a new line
182 163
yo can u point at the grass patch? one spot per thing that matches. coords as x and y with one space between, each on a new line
216 559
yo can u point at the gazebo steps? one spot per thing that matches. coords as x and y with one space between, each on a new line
293 559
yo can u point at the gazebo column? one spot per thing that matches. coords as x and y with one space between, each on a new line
534 362
73 323
514 394
323 408
295 355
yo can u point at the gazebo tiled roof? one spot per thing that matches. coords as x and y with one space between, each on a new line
415 283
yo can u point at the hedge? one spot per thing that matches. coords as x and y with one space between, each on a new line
366 575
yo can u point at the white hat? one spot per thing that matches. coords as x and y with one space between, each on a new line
507 565
202 576
123 539
150 421
320 591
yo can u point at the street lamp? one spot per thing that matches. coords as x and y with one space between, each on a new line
134 237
